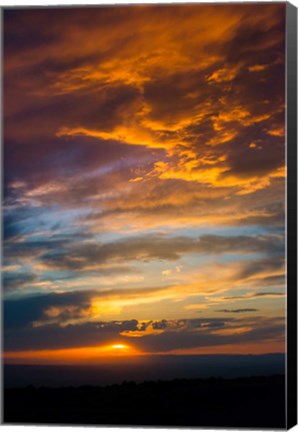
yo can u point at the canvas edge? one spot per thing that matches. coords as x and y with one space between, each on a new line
1 208
291 206
291 222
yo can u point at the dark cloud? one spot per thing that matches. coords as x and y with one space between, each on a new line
174 335
268 264
256 295
265 329
20 334
24 311
158 325
268 154
194 323
237 310
15 224
163 248
251 42
93 86
11 229
271 215
53 336
13 281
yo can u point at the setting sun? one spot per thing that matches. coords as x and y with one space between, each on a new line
119 347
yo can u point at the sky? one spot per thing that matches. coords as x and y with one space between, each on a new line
144 181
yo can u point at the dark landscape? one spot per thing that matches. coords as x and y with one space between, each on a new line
145 368
240 402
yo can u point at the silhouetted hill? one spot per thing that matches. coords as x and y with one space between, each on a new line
243 402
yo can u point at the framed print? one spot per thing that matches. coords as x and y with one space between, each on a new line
150 215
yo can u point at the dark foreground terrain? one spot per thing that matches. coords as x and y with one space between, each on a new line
242 402
144 368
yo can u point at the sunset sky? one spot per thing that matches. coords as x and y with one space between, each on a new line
144 181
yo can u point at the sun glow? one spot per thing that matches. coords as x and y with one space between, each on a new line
119 346
73 355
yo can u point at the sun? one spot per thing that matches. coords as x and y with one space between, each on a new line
119 347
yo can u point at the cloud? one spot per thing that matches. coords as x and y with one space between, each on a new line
256 295
269 266
145 248
63 308
181 203
164 336
12 281
145 134
237 310
114 91
23 312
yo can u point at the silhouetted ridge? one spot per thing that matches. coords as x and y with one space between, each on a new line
241 402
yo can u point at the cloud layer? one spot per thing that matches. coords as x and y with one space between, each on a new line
144 174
